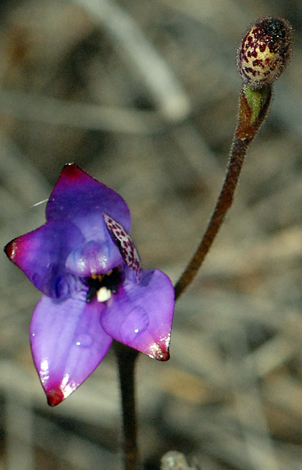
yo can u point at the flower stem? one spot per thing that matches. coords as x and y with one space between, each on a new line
253 107
126 358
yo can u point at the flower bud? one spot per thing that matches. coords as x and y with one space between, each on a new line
264 52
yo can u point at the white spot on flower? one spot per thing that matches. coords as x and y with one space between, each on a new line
103 294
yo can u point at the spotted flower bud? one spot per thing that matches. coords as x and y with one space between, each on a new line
264 52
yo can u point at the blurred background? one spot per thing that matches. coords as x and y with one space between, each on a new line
142 94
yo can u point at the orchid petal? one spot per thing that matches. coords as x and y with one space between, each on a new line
77 196
68 343
41 255
140 315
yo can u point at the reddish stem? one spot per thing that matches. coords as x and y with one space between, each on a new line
245 132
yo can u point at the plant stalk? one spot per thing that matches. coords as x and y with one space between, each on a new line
251 114
126 359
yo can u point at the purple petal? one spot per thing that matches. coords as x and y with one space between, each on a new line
140 315
68 343
126 246
42 254
77 196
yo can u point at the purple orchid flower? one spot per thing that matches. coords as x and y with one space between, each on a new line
84 262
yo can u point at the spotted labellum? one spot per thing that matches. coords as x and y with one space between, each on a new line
94 288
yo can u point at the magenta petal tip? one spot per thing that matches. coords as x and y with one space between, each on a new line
160 352
54 397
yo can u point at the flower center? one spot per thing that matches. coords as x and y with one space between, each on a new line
103 285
